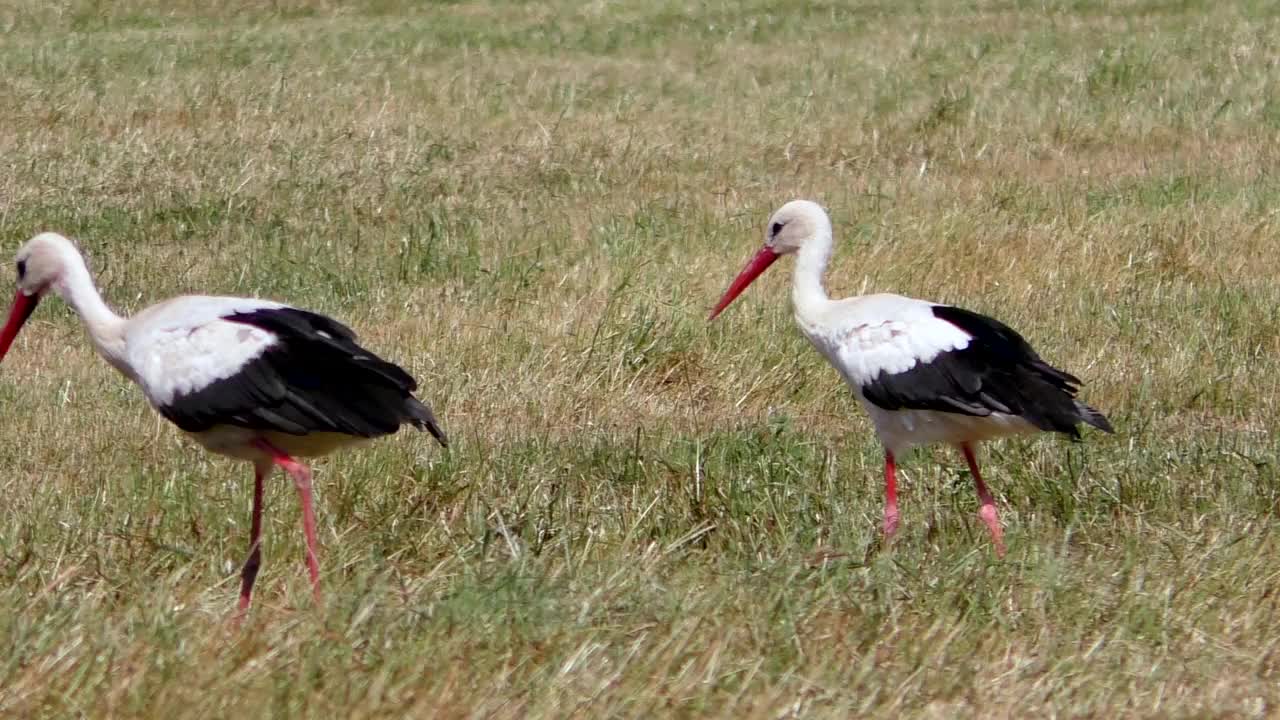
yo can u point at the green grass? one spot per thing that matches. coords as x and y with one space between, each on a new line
533 208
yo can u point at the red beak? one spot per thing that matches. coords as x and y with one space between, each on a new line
758 265
23 306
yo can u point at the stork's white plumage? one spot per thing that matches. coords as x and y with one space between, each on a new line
251 379
926 373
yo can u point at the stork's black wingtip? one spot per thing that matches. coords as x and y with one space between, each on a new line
1094 418
430 425
422 418
439 435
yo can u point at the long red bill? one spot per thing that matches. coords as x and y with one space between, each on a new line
758 264
23 306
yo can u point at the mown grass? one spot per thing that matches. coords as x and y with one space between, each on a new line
532 207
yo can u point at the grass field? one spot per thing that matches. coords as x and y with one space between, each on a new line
533 207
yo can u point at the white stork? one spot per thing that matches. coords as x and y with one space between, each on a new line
926 373
251 379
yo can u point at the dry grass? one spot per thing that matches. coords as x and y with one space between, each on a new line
533 208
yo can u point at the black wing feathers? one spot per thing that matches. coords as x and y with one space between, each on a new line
998 372
316 378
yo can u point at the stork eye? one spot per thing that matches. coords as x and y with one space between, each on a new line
22 269
775 228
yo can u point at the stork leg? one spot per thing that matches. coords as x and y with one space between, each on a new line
302 481
987 506
249 573
890 495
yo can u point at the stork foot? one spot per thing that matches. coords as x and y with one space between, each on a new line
986 502
988 515
890 521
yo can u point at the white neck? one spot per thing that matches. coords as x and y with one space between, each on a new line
106 329
807 294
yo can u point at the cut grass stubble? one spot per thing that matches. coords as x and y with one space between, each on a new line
532 209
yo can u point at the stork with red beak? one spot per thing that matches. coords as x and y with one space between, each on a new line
250 379
925 373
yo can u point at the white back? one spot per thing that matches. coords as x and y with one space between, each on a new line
182 345
865 336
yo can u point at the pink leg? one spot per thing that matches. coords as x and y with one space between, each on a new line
302 480
987 507
249 573
890 495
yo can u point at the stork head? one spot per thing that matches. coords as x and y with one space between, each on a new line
794 224
40 264
790 228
